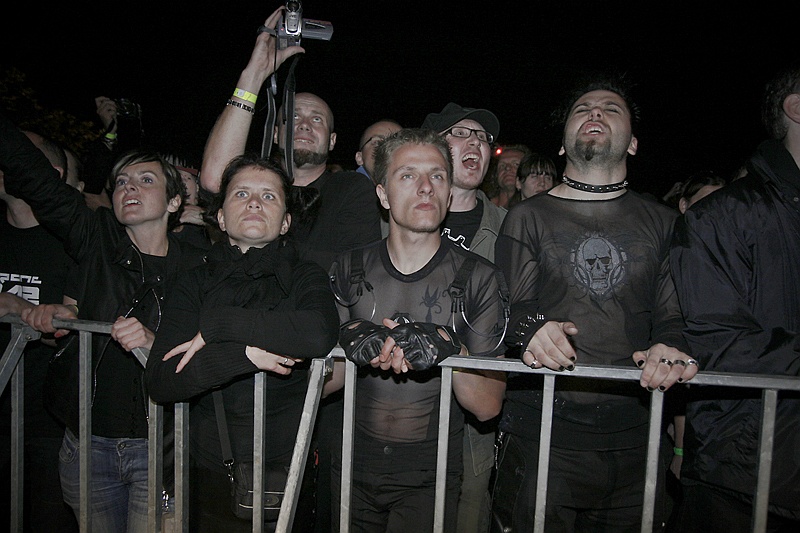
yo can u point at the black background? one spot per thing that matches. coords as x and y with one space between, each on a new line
699 67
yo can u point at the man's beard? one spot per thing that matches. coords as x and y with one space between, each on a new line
587 151
590 151
307 157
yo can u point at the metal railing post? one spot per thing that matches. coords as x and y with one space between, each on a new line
769 402
652 472
259 443
85 430
155 465
319 369
348 426
18 444
182 467
548 394
445 400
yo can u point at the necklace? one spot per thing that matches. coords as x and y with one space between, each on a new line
593 188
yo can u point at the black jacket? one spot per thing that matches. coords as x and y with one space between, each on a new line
112 279
267 298
734 260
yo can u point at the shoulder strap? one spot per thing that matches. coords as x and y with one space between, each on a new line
357 271
222 426
458 287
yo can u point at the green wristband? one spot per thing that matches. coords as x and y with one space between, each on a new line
678 451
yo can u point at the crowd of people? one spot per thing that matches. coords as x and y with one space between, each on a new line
442 242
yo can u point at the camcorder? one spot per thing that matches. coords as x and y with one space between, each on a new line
129 118
293 27
128 109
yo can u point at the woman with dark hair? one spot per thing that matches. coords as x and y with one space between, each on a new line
127 260
535 175
254 306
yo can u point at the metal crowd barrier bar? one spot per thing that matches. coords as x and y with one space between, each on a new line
11 370
770 386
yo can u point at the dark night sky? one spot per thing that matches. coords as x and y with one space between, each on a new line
699 71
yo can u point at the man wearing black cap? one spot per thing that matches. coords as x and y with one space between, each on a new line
472 222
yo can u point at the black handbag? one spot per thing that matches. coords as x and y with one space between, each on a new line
241 475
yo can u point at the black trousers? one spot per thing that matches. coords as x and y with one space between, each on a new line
588 491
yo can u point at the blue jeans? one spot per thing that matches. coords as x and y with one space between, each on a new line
118 482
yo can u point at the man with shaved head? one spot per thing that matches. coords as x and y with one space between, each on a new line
347 215
373 134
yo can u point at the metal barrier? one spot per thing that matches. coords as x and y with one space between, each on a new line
770 385
11 371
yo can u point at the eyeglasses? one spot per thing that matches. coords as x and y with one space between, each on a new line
463 133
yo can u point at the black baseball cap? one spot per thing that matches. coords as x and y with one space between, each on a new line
453 113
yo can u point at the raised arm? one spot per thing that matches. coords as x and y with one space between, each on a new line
228 137
29 176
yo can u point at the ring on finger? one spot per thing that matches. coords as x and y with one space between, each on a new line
691 362
285 360
666 361
535 361
680 362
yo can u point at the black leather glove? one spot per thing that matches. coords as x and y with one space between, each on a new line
425 344
362 340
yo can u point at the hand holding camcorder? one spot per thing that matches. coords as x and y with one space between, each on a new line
293 27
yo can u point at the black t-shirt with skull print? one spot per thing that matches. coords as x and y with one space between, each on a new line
602 264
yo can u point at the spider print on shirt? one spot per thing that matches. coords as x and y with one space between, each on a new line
431 301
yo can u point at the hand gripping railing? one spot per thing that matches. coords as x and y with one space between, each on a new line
770 386
11 370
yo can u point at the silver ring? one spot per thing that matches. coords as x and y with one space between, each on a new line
666 361
286 360
680 362
535 361
691 362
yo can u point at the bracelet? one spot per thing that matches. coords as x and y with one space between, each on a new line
242 106
245 95
111 136
528 325
677 451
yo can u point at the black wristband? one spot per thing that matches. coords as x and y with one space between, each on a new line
525 326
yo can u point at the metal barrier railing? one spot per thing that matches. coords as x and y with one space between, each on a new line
770 386
11 371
